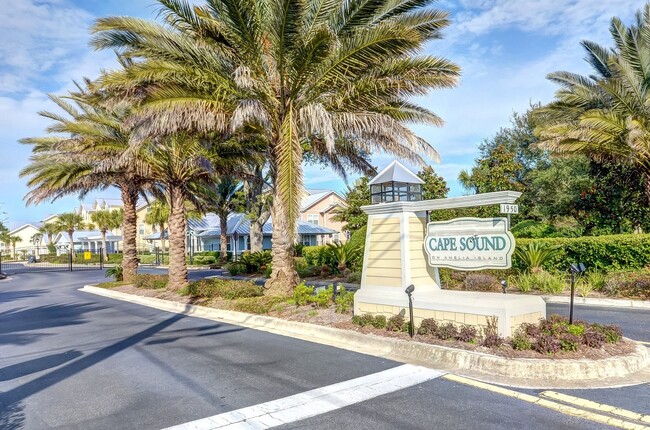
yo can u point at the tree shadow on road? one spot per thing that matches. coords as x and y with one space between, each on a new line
8 296
15 322
36 365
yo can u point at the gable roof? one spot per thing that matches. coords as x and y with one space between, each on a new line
316 196
396 172
35 226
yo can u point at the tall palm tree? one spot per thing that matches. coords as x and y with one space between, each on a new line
158 216
605 115
70 222
224 204
106 220
303 72
48 230
13 240
84 153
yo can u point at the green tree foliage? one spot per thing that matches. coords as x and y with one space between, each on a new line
435 186
351 214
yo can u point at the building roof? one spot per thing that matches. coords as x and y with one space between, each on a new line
239 223
34 225
396 172
85 235
316 196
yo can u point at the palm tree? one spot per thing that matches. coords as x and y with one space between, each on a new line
70 222
89 156
224 204
605 115
13 240
48 229
303 73
158 216
106 220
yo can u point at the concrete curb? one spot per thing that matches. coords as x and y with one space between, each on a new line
525 372
592 301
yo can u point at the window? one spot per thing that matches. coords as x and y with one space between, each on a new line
305 240
312 219
395 192
335 237
141 229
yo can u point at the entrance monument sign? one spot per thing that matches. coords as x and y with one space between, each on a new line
403 248
470 244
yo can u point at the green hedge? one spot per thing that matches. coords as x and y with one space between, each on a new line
604 253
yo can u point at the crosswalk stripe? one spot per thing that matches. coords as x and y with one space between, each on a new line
315 402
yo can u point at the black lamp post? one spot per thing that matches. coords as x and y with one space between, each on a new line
574 268
409 291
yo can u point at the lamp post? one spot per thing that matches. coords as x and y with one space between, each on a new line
409 291
574 268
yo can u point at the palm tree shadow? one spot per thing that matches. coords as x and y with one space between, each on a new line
37 365
8 296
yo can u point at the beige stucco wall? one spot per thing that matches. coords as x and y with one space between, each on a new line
325 218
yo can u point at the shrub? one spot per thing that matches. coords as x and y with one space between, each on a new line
602 253
492 341
344 301
429 326
531 330
547 344
612 333
204 260
570 342
379 322
520 340
151 282
596 280
524 282
343 256
116 272
318 256
224 288
358 238
583 287
549 283
629 284
532 229
576 329
302 293
535 254
354 278
447 331
593 338
258 305
467 333
481 282
491 338
323 297
396 323
235 268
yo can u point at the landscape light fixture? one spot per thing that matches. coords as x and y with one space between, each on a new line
504 285
409 290
574 268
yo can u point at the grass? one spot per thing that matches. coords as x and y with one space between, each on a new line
112 284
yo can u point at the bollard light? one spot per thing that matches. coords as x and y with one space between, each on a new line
574 269
504 285
409 290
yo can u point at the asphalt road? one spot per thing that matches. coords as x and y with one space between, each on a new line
71 360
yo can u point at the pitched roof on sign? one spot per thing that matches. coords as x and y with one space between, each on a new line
396 172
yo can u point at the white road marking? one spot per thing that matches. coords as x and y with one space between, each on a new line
315 402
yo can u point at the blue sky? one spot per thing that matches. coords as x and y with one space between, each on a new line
504 47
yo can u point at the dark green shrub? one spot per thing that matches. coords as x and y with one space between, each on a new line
151 282
467 333
344 300
532 229
447 331
481 282
396 323
428 327
369 320
358 238
116 272
235 268
603 253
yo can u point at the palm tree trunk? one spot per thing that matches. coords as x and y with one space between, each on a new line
162 241
104 254
284 276
129 230
256 231
223 238
177 227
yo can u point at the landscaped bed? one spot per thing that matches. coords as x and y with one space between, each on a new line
551 338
